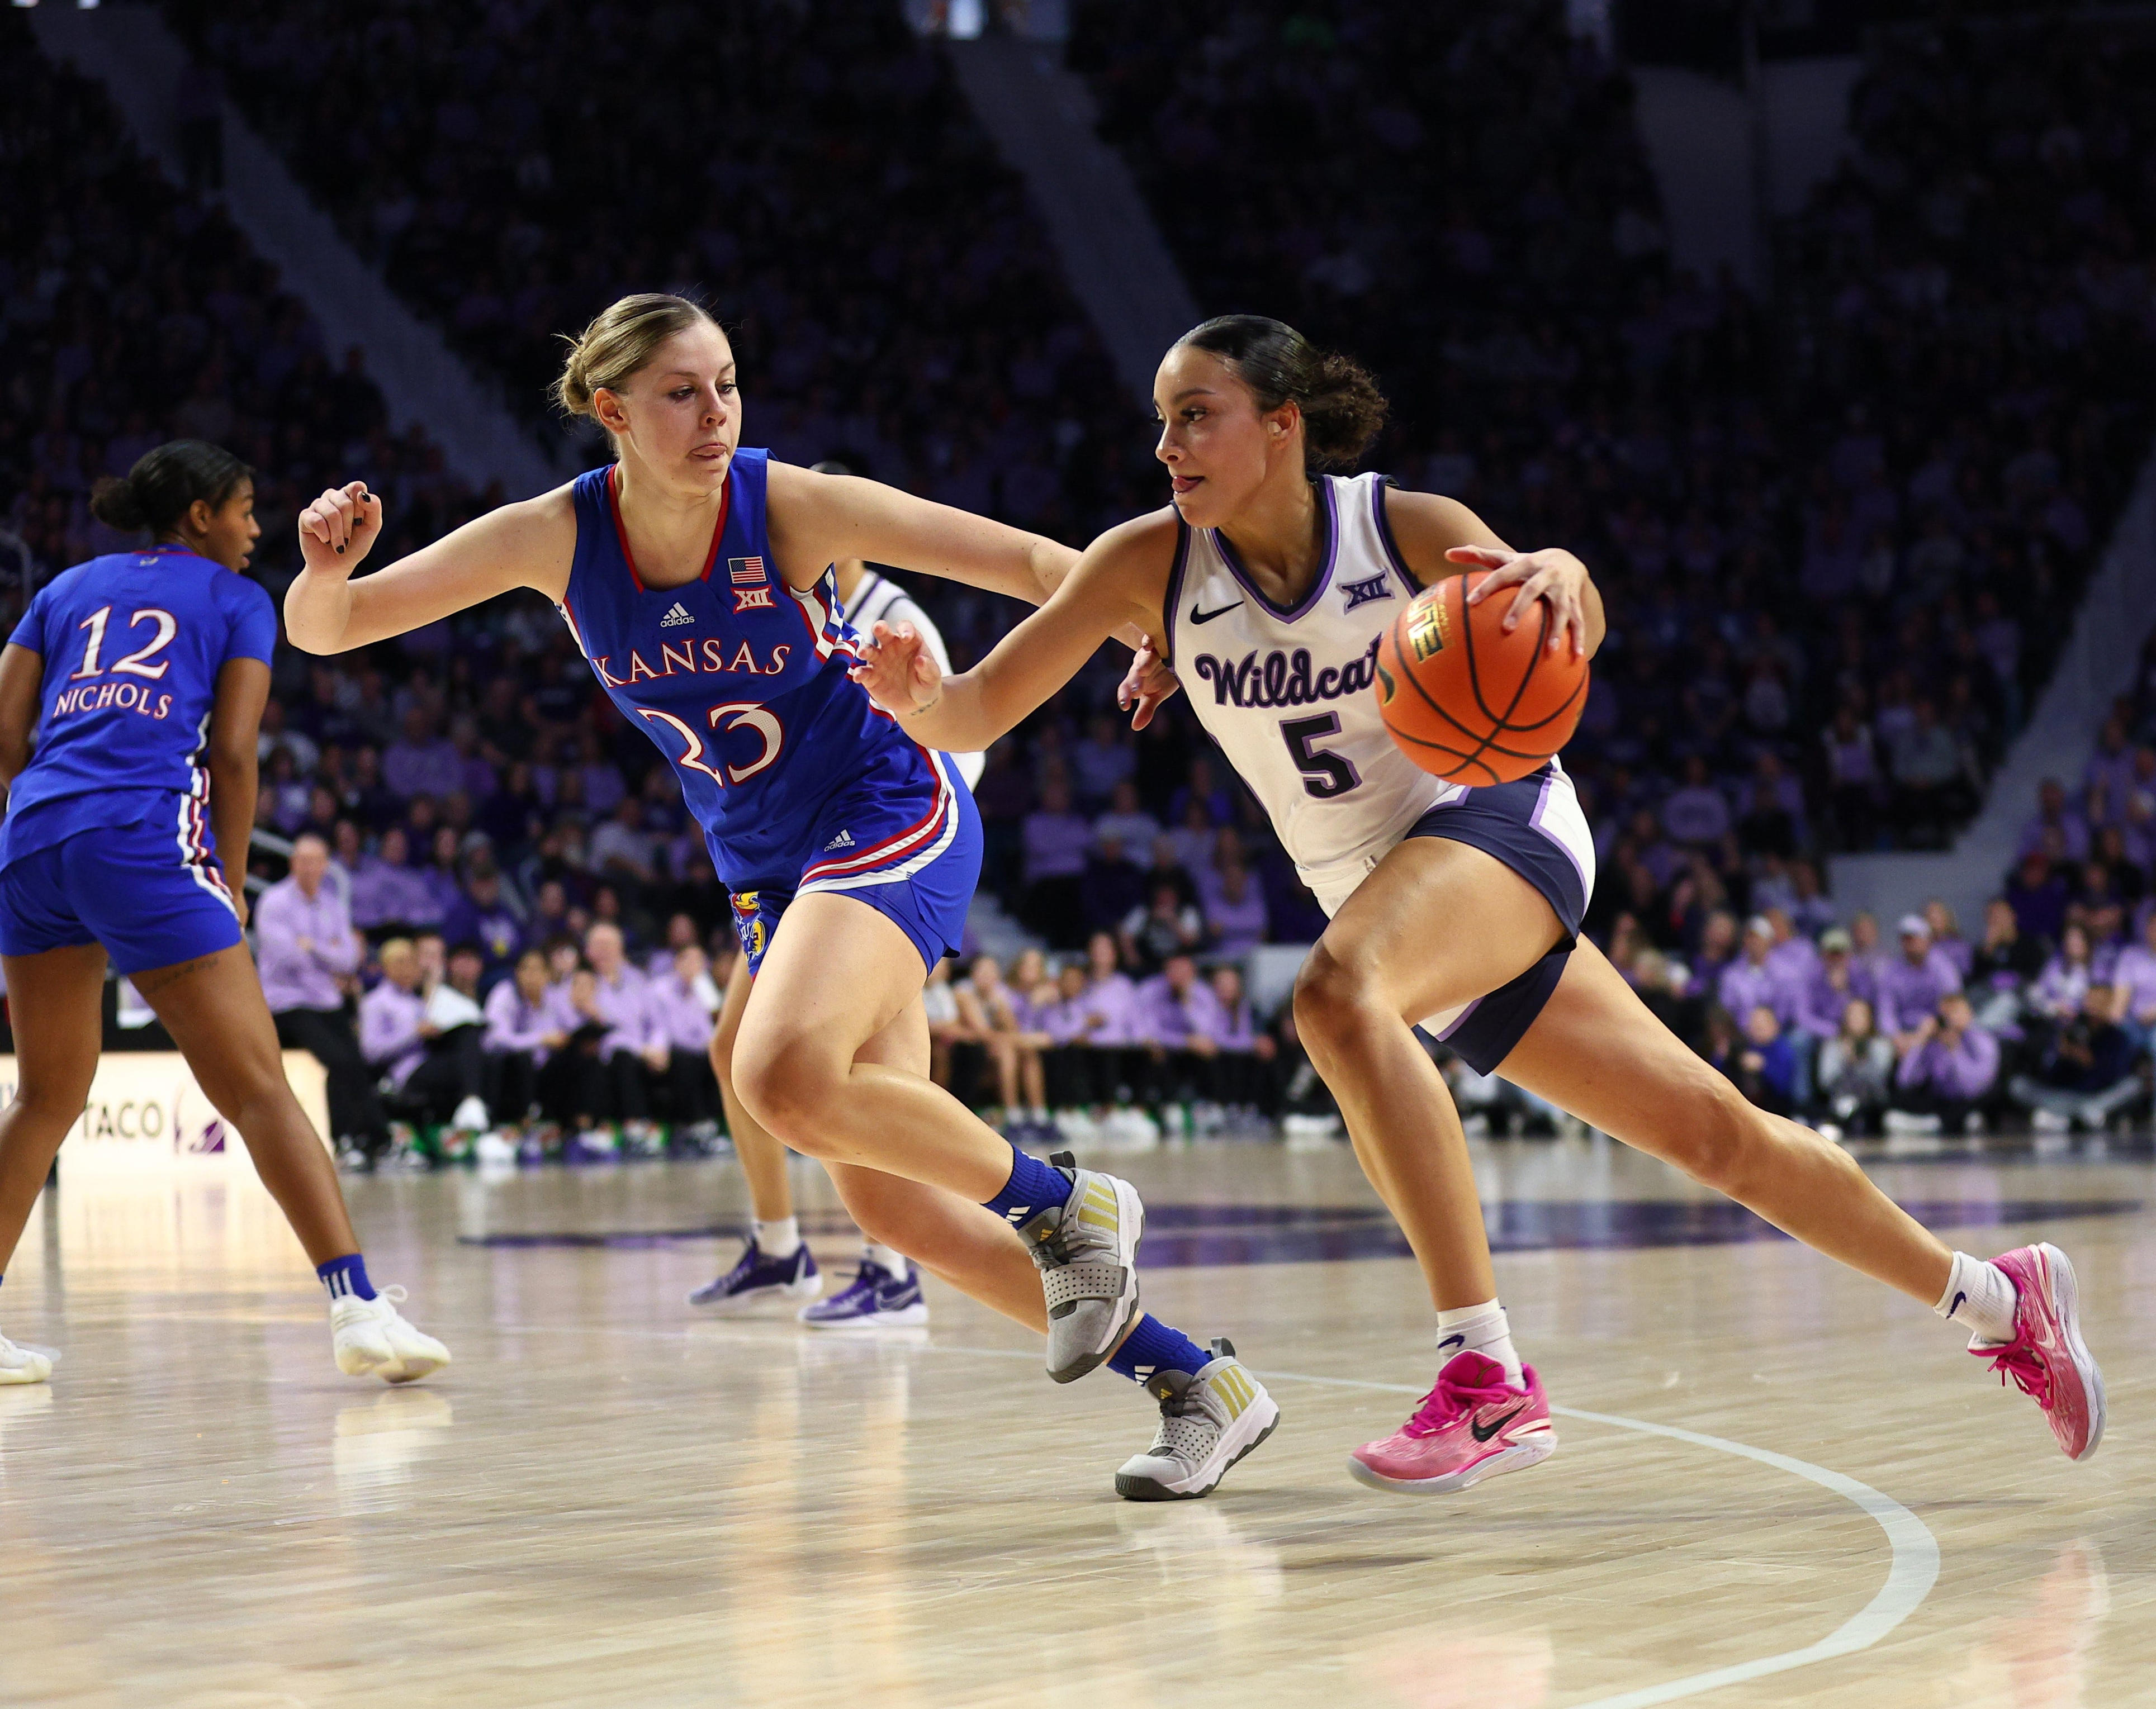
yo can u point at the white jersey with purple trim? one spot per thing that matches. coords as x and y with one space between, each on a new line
877 599
1287 692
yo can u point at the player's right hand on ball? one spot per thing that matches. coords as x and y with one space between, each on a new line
338 528
900 674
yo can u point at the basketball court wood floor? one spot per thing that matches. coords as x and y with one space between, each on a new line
1779 1485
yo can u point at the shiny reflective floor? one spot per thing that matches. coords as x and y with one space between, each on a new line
608 1500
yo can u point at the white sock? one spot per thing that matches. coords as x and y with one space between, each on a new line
890 1258
1981 1297
1480 1329
778 1239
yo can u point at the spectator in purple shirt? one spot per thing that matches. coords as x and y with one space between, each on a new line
1750 981
1068 1061
422 761
1179 1022
633 1046
1947 939
2053 814
480 915
2134 974
387 892
2062 988
524 1029
1696 814
1244 1066
1055 841
1234 903
1834 983
308 952
1910 986
393 1016
685 1003
440 872
1948 1072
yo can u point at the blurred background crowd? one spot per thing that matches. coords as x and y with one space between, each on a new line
1841 525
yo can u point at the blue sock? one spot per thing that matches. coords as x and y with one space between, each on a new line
1152 1346
345 1276
1033 1185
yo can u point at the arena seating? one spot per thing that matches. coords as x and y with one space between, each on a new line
1911 454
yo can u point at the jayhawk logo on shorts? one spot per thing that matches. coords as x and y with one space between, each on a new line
749 927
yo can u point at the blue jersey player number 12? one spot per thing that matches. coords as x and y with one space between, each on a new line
130 701
695 575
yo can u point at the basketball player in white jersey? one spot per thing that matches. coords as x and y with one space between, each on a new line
1267 590
777 1264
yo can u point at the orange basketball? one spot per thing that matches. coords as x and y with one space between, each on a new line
1468 700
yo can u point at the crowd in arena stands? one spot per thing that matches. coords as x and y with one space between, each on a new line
1841 538
134 314
893 299
497 919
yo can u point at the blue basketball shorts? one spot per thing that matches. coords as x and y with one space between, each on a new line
1535 827
917 867
150 892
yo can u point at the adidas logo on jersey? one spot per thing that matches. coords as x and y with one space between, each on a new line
845 839
675 618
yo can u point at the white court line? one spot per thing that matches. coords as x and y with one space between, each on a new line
1911 1571
1913 1567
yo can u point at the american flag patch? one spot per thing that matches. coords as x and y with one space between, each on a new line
745 572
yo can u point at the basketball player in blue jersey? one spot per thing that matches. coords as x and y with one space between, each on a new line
143 675
1268 585
776 1264
695 575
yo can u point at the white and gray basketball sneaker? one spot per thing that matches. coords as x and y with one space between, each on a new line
1086 1248
1207 1424
371 1338
22 1364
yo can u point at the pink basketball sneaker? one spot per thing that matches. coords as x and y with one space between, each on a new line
1472 1425
2047 1359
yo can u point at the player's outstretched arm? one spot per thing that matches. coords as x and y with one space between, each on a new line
817 519
1438 536
1117 583
530 544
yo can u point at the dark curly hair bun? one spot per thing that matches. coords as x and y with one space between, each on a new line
1342 409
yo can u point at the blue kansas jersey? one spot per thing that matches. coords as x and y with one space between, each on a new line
800 782
132 644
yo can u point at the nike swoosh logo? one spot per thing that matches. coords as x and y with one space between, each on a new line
1452 1340
1198 616
1483 1433
1956 1306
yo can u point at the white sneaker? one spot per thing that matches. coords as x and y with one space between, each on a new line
1901 1124
494 1149
371 1339
1207 1424
22 1364
2051 1121
471 1115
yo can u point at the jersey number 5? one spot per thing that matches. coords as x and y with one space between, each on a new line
1324 775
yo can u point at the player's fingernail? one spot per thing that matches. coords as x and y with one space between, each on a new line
340 549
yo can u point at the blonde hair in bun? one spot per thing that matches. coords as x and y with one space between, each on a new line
620 342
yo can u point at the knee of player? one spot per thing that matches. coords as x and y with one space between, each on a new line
1332 1000
1721 1131
787 1087
48 1100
